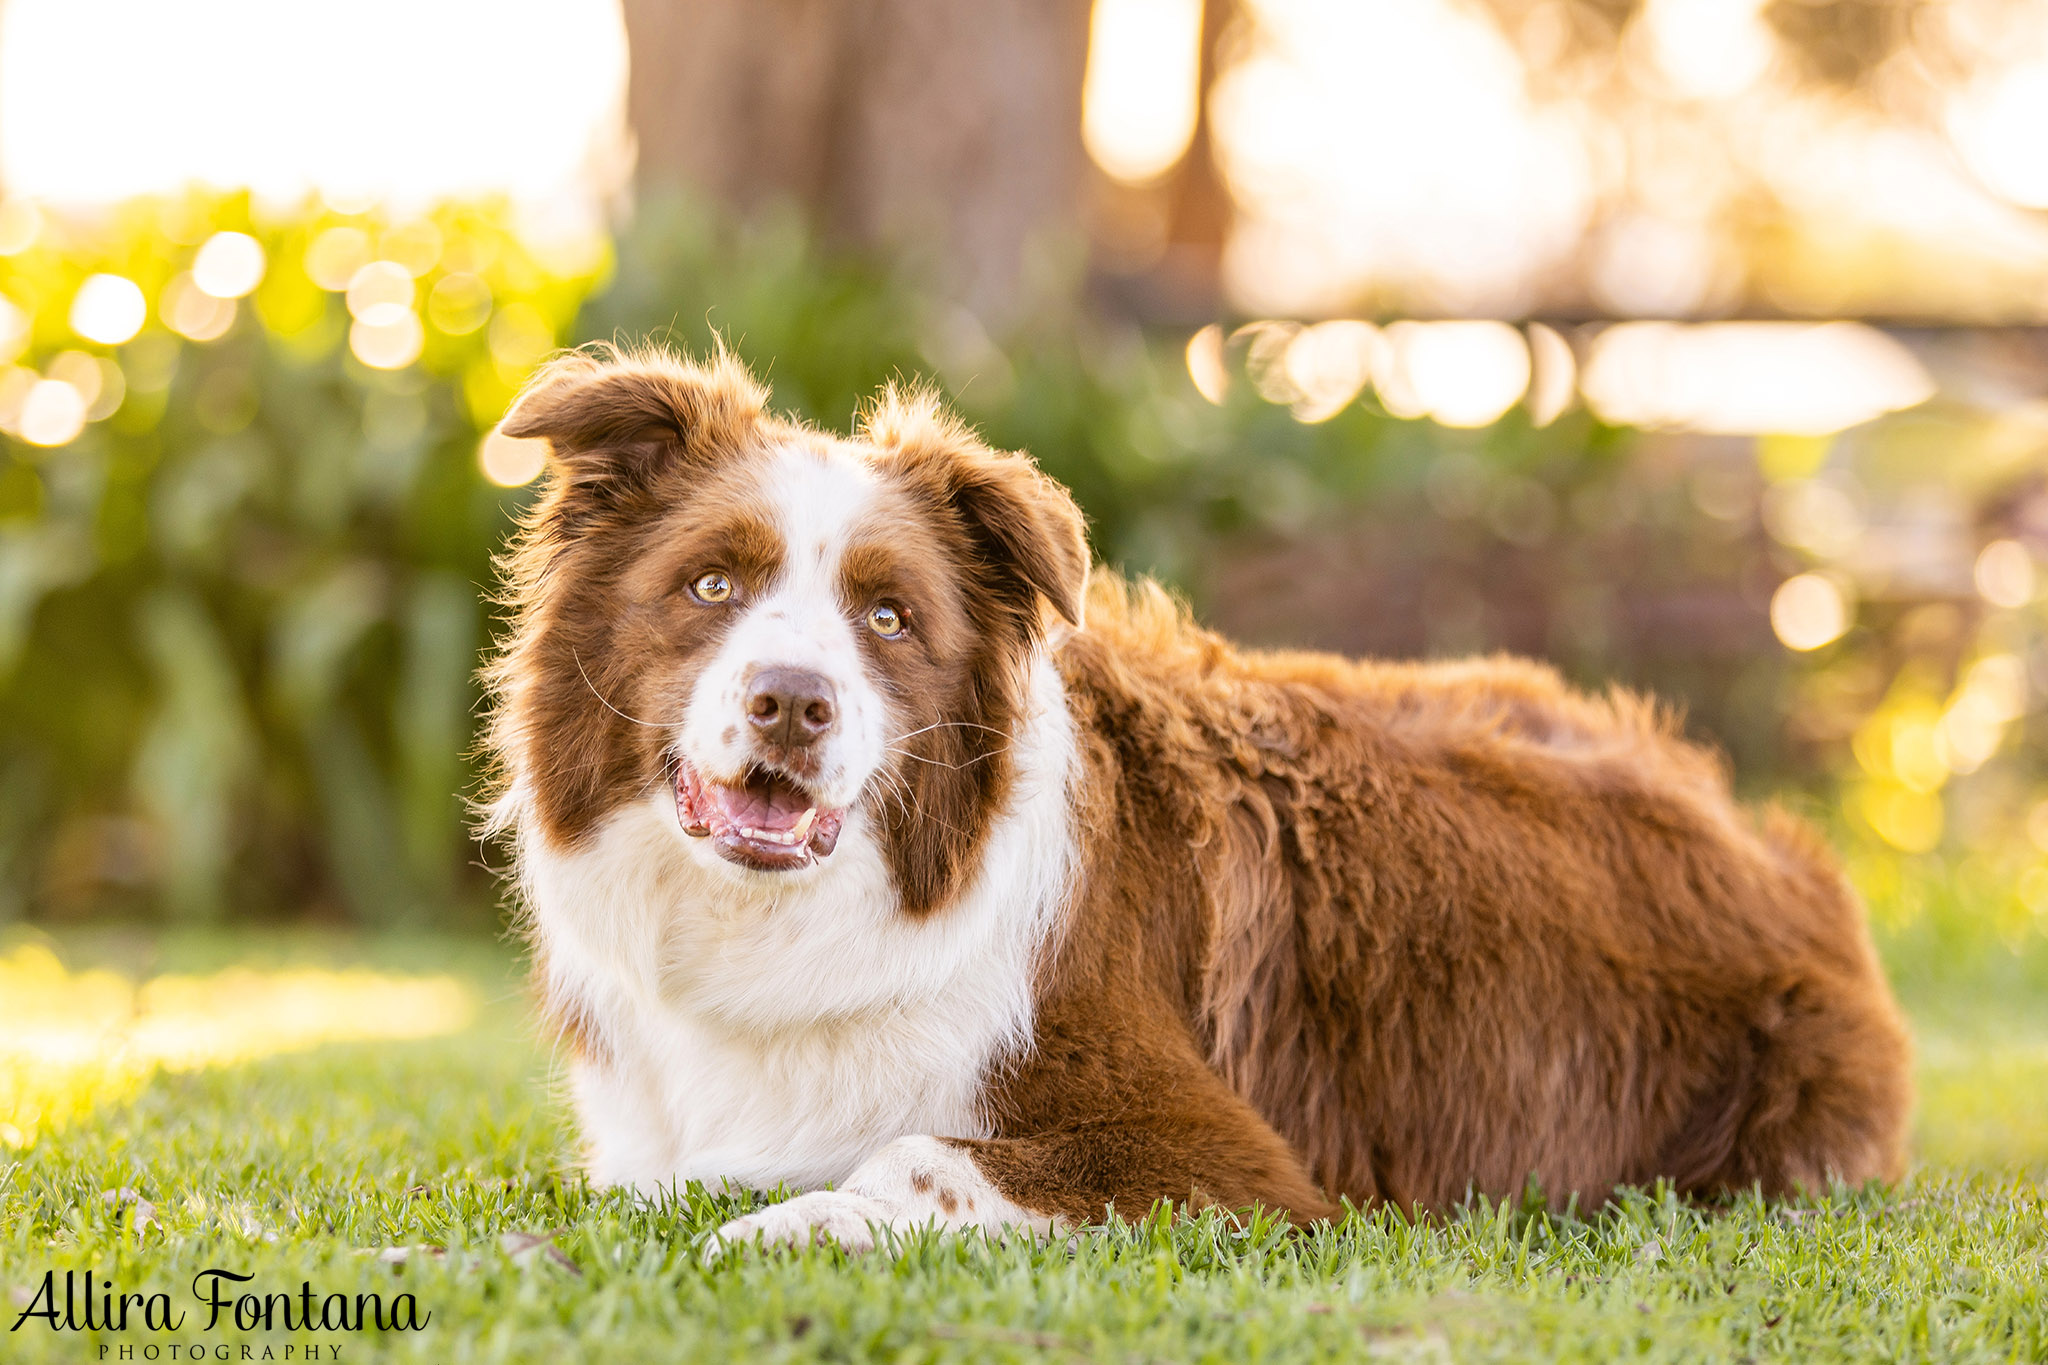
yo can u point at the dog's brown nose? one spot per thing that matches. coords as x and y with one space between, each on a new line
790 707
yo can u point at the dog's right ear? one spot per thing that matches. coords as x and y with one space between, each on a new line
614 421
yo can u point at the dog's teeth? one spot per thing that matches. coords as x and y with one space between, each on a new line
803 826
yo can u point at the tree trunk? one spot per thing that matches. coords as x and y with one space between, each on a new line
946 132
1160 245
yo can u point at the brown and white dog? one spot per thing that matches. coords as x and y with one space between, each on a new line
852 858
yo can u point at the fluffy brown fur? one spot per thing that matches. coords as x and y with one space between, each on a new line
1405 932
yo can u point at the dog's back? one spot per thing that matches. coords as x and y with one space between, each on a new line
1462 926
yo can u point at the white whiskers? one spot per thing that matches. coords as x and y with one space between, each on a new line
652 724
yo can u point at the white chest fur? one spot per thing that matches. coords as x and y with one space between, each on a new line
771 1028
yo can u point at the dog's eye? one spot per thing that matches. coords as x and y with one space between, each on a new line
885 621
711 587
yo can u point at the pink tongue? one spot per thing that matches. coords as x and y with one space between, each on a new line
763 803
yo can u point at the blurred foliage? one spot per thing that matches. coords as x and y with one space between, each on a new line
239 609
239 615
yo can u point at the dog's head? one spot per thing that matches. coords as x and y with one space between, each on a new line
780 626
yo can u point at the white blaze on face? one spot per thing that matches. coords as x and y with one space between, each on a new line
798 621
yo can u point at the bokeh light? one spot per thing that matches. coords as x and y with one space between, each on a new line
16 327
379 291
1992 695
1329 363
193 313
1916 757
1208 367
15 382
389 338
113 388
1743 378
511 461
1705 49
1815 515
108 309
1461 374
52 413
1139 96
1554 375
415 245
1809 610
335 255
229 265
459 303
2000 125
2004 574
1910 821
1265 346
1657 265
81 372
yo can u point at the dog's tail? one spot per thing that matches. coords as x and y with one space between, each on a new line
1822 1090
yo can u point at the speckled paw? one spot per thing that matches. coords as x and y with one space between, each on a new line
827 1215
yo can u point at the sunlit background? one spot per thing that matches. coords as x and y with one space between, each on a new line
393 100
71 1041
1700 345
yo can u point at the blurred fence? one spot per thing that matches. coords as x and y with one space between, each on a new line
245 534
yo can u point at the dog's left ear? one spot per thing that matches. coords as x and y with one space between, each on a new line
1024 521
1032 521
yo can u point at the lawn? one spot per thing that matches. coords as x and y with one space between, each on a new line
427 1153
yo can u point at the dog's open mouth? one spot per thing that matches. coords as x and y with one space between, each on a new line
766 820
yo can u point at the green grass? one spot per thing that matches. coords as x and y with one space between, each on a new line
289 1169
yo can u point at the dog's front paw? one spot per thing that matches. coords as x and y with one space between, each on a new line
827 1215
